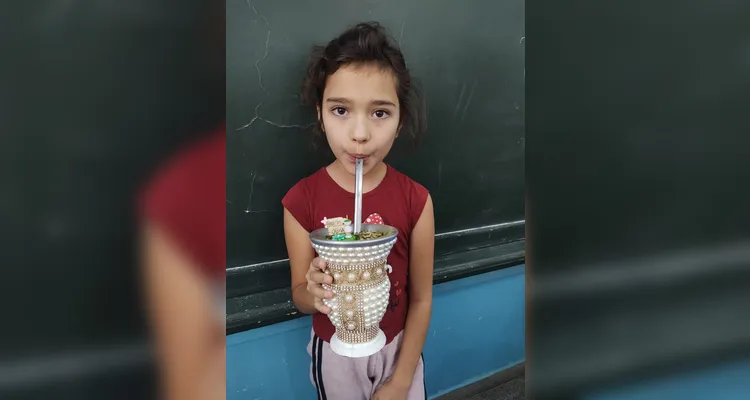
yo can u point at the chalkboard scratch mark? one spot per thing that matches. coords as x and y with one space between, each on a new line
260 83
257 67
247 125
252 6
460 97
257 63
254 118
468 100
257 117
401 35
229 202
252 189
286 126
522 39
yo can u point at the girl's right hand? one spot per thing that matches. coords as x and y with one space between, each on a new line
316 276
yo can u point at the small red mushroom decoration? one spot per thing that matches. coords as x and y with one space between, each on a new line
374 219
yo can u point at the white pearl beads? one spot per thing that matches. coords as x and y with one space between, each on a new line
353 254
361 287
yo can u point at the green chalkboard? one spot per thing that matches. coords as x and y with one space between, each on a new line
469 57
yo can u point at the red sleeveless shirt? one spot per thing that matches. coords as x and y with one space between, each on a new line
397 200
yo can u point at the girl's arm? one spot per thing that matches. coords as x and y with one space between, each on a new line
189 338
301 254
421 259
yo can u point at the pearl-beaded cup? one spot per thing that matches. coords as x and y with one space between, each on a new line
361 285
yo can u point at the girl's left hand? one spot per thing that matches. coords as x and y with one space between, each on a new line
391 390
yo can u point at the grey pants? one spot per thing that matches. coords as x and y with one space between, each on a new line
342 378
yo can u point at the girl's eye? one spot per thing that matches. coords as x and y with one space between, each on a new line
340 111
381 114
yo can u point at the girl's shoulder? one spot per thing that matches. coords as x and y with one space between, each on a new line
413 193
186 198
407 185
308 184
299 198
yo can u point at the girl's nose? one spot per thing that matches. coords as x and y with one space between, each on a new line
360 133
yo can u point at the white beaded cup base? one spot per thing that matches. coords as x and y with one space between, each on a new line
355 350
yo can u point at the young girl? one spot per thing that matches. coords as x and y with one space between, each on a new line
364 97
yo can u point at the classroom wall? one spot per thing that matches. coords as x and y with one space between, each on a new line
477 329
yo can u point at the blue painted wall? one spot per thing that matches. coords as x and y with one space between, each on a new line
477 329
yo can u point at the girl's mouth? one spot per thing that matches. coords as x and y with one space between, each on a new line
354 157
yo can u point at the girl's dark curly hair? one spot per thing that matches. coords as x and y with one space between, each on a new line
365 43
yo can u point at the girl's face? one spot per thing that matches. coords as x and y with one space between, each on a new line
360 115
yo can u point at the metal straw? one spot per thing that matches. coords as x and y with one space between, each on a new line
358 165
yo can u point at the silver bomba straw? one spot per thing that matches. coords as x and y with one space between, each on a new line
358 166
